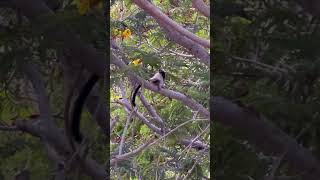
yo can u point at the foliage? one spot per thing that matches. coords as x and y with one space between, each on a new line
22 41
146 50
145 45
266 57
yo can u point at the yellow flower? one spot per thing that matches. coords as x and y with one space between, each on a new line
126 33
136 62
83 6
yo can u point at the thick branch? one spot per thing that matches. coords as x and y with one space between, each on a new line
266 136
48 130
197 144
151 110
96 106
40 90
165 92
160 17
191 46
46 120
201 7
185 141
127 105
28 127
34 128
39 13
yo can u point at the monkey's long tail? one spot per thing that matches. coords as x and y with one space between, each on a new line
133 99
78 105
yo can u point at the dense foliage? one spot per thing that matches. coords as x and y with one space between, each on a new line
266 58
41 41
21 42
146 48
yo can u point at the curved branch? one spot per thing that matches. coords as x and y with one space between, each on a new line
130 154
266 136
194 48
151 110
127 105
39 88
197 144
35 129
48 130
160 17
201 7
165 92
89 57
96 107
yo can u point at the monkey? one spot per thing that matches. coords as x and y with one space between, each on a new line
157 80
77 108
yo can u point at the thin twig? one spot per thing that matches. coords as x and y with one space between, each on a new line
190 171
124 132
130 154
9 128
193 140
272 68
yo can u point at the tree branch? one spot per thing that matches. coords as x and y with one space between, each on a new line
47 129
201 7
160 17
185 141
93 103
165 92
266 136
191 46
85 54
127 105
151 110
8 128
130 154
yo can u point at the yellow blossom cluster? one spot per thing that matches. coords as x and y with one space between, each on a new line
123 34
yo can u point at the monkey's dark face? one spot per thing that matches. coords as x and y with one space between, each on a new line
163 74
158 79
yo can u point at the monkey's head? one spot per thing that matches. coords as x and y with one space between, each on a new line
163 74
